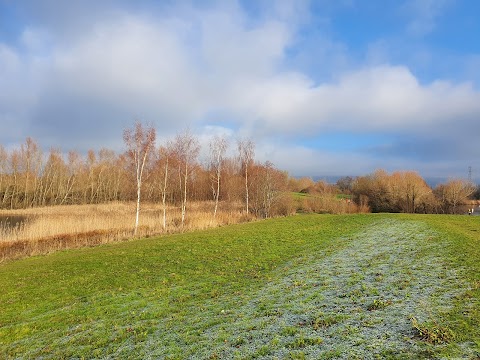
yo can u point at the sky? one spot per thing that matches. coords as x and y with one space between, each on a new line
323 87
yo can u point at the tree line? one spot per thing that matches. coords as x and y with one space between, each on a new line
408 192
170 173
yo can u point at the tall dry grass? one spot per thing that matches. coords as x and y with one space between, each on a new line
330 204
59 227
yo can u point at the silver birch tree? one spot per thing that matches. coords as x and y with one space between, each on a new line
187 148
246 152
218 148
139 141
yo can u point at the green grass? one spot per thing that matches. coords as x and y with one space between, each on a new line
461 241
300 196
255 290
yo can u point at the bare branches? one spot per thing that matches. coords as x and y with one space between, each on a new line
246 153
164 155
139 142
186 148
218 148
454 193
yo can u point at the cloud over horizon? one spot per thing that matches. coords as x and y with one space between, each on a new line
75 76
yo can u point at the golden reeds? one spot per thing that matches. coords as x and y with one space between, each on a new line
59 227
330 205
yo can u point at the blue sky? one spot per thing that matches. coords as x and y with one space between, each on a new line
325 87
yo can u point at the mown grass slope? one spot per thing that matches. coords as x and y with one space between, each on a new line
287 288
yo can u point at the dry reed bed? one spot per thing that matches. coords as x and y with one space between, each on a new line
330 204
50 229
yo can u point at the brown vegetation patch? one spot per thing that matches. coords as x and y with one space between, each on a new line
56 228
23 248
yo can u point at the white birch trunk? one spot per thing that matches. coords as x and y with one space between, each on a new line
246 185
164 196
184 202
218 192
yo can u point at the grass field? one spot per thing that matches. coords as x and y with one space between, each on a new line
308 286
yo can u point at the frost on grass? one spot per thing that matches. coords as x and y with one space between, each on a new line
356 303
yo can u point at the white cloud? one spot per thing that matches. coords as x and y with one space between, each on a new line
129 60
382 98
178 70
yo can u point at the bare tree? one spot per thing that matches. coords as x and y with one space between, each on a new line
139 142
375 189
412 189
162 171
30 158
186 147
269 188
53 173
73 169
218 148
90 164
266 188
15 160
3 175
454 193
246 152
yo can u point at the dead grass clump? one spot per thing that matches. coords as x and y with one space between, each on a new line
23 248
432 332
285 206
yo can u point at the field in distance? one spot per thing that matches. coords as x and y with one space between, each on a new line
305 286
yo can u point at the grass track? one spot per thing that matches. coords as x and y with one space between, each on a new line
292 287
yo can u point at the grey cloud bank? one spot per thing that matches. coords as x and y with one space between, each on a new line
74 81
